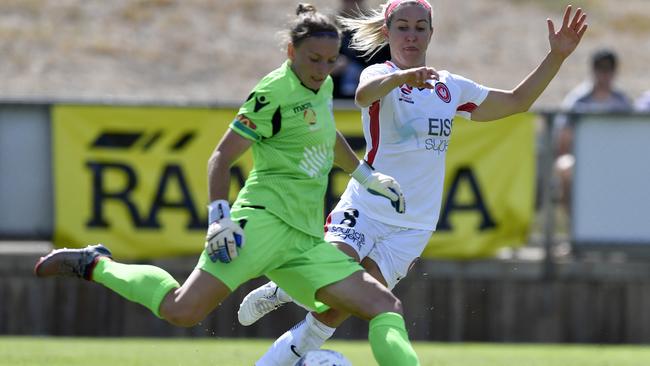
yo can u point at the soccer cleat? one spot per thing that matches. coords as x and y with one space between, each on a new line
260 302
71 262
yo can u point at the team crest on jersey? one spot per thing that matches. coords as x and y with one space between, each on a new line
309 115
443 92
405 94
246 121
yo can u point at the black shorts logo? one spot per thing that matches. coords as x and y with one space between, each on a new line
351 215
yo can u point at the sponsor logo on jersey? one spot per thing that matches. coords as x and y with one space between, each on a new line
405 94
260 102
302 107
443 92
440 130
246 121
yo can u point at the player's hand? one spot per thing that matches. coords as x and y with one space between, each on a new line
224 239
420 77
381 185
565 40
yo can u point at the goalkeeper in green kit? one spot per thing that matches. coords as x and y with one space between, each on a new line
275 227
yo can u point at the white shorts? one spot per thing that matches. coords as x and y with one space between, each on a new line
394 248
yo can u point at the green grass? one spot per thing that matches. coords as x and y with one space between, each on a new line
21 351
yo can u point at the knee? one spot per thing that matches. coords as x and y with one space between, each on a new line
181 316
395 305
387 303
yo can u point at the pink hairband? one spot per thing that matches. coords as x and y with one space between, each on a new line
393 4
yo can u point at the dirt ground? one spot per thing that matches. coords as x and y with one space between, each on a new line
214 51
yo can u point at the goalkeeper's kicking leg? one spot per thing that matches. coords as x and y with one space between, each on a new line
147 285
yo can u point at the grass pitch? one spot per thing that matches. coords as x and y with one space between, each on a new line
46 351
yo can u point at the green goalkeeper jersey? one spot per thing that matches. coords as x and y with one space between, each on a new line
294 135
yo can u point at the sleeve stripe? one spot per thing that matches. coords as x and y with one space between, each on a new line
467 107
244 131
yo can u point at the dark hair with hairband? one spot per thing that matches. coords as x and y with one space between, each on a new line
311 23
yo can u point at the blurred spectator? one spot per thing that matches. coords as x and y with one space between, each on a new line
595 96
643 103
599 94
350 62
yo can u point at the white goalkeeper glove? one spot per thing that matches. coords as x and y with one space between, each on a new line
225 237
380 184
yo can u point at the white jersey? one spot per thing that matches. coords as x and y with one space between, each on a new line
407 135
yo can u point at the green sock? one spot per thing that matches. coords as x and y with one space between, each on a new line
389 341
147 285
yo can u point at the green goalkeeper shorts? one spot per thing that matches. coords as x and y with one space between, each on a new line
299 263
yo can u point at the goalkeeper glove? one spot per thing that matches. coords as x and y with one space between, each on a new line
380 184
224 237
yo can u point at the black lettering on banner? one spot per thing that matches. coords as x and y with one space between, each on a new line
101 195
465 174
171 173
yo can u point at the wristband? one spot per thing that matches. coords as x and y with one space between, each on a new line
218 209
362 172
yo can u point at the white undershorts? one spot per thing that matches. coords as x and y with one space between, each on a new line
394 248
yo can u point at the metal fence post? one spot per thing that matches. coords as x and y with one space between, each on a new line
546 194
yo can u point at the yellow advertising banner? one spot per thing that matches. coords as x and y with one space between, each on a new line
135 179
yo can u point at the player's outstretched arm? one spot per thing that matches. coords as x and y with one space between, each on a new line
501 103
376 88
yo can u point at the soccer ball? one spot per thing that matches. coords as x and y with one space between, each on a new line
323 357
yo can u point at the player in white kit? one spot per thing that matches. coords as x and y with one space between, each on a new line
408 112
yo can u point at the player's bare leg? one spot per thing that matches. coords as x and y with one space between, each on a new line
199 295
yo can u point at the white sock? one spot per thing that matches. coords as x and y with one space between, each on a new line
308 335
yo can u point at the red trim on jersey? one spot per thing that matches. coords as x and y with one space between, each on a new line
467 107
373 111
328 221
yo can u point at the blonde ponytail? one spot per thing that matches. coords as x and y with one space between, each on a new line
367 36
